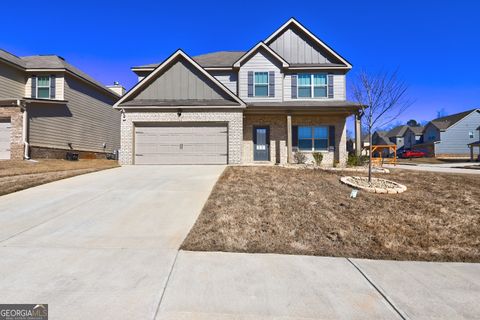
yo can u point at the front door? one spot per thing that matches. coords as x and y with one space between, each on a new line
261 143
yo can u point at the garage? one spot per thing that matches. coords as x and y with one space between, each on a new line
181 143
5 128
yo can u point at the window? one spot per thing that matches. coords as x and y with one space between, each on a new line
261 84
312 85
470 134
43 87
312 138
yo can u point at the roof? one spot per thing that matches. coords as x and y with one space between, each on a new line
178 103
219 59
256 48
7 56
179 54
40 62
417 130
57 62
382 138
398 131
444 123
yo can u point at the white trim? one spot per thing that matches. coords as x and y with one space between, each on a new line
49 88
140 69
318 68
163 65
237 64
311 35
312 86
178 107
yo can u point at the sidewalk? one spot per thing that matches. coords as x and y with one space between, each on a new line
444 167
216 285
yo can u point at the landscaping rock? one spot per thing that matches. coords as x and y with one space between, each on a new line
377 185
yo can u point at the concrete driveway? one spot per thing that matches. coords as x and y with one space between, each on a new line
101 245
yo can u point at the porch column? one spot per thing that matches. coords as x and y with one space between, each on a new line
358 135
471 153
289 139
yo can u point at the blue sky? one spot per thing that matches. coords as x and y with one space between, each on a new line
433 44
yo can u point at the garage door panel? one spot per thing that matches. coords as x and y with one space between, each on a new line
5 135
181 144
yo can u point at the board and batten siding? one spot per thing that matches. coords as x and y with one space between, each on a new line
454 140
12 82
59 85
182 82
295 47
228 78
339 85
87 120
260 62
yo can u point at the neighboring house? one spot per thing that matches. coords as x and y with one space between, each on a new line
286 94
413 136
380 137
47 107
397 136
449 136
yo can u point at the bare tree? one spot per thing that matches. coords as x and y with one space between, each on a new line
383 99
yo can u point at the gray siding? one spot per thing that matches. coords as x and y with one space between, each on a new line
431 133
227 78
87 121
454 140
260 62
182 81
409 139
12 82
295 47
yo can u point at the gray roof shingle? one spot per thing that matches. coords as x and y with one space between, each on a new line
444 123
219 59
398 131
7 56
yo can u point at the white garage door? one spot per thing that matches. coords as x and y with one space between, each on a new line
4 140
174 143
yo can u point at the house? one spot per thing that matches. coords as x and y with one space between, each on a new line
48 107
450 136
413 135
284 95
396 135
380 137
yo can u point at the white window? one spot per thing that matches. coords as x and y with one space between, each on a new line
261 84
43 87
470 134
312 85
313 138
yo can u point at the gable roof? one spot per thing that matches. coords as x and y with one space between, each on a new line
380 138
417 130
11 58
293 22
446 122
398 131
164 66
256 48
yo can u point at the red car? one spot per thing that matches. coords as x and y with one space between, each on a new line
412 154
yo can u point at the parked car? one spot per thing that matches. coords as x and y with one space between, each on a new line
412 154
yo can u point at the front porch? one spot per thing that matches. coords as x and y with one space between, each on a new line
274 136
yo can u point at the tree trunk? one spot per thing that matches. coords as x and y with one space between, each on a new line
370 155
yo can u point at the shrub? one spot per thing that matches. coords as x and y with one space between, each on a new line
300 157
354 160
318 158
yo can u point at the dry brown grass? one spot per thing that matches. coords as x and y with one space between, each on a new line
19 175
279 210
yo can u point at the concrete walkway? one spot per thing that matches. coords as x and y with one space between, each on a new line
215 285
100 245
443 167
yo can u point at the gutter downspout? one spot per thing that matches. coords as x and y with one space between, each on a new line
22 104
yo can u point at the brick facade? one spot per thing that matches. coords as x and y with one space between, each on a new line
233 118
278 136
15 116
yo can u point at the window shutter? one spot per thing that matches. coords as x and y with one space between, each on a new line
34 87
294 136
250 83
330 86
294 86
52 86
331 138
271 84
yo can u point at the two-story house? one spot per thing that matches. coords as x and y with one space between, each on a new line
451 135
48 107
286 94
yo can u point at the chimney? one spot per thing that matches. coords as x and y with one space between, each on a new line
117 88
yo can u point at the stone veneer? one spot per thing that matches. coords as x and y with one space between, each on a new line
233 118
15 116
278 136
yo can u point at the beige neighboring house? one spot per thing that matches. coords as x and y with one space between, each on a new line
286 94
49 107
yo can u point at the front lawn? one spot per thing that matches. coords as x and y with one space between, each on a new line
294 211
18 175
